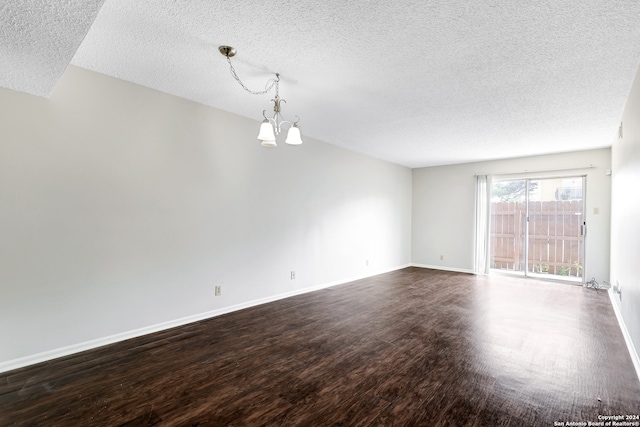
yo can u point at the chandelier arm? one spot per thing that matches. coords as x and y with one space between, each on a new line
278 119
283 121
273 121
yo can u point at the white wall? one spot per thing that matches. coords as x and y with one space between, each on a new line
444 207
625 218
121 207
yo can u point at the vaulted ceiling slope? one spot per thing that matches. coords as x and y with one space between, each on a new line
414 82
38 39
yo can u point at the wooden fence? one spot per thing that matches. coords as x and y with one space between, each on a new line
555 244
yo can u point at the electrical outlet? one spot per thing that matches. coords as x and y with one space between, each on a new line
366 262
293 275
218 291
441 257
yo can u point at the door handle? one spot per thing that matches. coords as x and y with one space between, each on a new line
583 229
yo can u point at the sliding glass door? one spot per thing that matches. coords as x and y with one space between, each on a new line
556 227
537 227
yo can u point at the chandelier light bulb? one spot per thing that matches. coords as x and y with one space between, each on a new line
266 131
270 143
293 136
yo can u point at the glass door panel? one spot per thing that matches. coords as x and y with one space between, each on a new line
555 228
508 225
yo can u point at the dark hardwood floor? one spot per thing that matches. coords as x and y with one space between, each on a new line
414 347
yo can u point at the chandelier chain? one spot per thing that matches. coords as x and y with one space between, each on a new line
268 86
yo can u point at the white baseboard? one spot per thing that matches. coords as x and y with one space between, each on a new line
625 332
89 345
440 267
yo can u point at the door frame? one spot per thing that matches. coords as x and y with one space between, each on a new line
525 272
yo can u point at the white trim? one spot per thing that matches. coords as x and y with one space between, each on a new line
535 172
625 333
89 345
440 267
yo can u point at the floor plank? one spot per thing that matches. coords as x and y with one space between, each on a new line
406 348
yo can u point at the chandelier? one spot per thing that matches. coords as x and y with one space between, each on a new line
271 126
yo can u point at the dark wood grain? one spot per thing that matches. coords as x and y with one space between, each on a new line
408 348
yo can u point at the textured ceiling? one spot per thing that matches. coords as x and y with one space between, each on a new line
38 38
414 82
